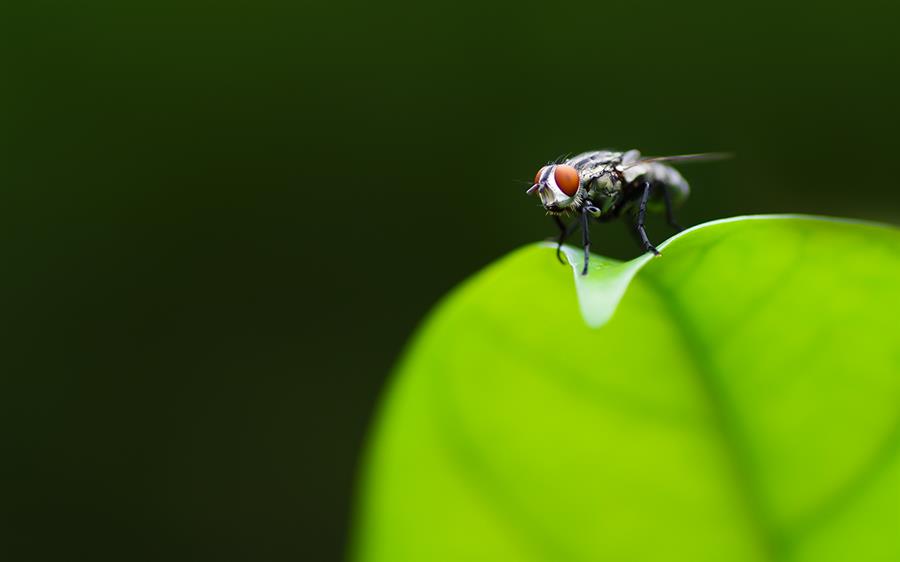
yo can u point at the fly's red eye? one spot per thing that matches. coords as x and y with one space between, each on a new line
537 176
566 179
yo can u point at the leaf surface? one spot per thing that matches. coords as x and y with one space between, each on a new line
736 399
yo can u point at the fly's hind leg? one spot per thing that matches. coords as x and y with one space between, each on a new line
641 214
630 223
670 215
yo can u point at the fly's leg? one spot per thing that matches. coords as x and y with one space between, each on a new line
642 212
670 216
631 225
564 232
585 238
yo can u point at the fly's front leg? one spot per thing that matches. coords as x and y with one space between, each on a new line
642 212
564 232
670 216
585 238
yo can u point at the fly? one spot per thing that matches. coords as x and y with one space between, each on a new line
604 185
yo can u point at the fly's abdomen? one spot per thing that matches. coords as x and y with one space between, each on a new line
669 177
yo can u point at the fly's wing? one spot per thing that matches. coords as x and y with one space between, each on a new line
631 157
704 157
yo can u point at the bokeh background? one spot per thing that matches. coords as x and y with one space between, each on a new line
220 221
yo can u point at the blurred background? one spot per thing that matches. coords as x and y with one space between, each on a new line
220 221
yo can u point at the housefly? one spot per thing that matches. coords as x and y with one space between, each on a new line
604 185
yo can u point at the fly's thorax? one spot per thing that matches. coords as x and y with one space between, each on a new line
605 184
600 172
604 203
595 159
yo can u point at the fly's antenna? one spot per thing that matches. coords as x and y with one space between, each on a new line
531 185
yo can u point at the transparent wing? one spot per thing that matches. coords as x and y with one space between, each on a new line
704 157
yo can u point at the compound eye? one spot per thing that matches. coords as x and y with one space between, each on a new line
537 176
566 179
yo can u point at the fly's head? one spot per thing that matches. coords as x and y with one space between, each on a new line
559 187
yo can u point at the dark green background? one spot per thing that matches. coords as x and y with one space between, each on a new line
220 221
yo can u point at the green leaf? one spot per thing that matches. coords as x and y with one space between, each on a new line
742 403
